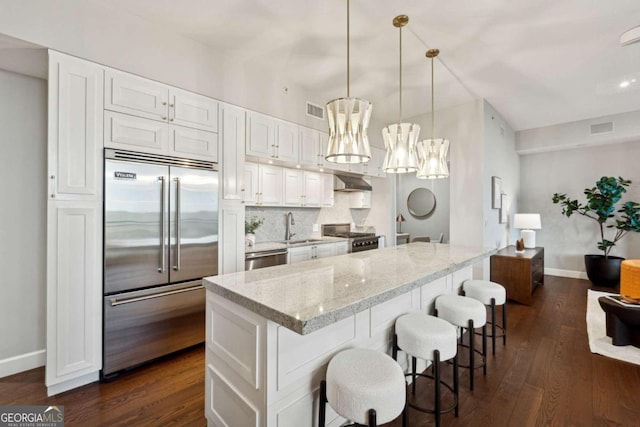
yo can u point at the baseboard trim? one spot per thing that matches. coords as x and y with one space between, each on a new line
22 362
566 273
73 383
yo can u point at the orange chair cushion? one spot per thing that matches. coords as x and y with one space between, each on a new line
630 280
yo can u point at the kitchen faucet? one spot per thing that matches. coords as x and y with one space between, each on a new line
290 221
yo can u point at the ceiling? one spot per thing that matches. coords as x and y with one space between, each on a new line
538 62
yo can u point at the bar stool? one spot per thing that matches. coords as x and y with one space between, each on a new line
466 313
429 338
490 294
364 386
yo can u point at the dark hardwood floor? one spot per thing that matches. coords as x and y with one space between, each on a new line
544 376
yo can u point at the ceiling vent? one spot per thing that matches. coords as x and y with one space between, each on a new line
314 110
600 128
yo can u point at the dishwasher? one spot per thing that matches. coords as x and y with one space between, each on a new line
262 259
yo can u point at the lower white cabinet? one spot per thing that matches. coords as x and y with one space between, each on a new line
231 232
305 253
74 294
342 248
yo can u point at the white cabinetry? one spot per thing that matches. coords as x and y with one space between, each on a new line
327 190
313 195
313 145
305 253
287 142
231 253
261 135
293 187
130 94
342 248
74 223
360 199
232 124
264 185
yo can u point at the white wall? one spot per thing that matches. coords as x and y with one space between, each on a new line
438 221
23 166
95 31
566 240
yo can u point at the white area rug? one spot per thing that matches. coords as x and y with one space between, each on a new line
599 342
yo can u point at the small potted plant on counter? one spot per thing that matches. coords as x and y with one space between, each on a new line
250 228
604 269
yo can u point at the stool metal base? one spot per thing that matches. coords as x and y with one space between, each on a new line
502 328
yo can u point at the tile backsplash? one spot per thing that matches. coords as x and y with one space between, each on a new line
273 228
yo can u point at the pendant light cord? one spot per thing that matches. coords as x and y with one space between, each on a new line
433 113
348 77
400 59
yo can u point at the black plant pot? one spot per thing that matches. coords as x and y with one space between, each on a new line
603 271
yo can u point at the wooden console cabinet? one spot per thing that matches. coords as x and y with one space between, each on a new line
519 273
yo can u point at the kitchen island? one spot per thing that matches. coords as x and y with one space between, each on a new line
271 332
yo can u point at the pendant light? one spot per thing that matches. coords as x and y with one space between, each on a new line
348 121
432 153
400 138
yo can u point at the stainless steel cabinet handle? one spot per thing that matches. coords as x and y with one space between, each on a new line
177 266
163 228
115 301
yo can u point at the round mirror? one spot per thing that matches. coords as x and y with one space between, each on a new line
421 202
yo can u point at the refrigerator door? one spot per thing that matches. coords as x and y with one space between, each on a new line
136 236
193 217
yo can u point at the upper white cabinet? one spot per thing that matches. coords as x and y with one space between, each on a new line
327 190
360 199
261 135
192 110
250 192
75 128
130 94
232 124
310 147
287 142
122 131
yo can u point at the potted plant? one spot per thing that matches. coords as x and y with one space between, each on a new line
604 269
250 228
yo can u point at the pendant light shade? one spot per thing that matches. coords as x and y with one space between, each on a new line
348 120
400 138
432 153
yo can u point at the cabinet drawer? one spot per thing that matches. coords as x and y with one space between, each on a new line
193 143
134 133
135 95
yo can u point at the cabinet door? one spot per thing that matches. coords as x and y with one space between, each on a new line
324 251
74 293
251 190
193 110
260 135
293 187
122 131
309 147
231 237
193 143
327 190
135 95
287 146
342 248
312 192
322 151
298 254
232 138
75 128
270 183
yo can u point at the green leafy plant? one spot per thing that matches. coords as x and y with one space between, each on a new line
601 207
252 225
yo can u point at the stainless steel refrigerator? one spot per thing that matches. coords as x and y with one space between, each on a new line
160 239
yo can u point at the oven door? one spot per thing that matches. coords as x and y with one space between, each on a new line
142 325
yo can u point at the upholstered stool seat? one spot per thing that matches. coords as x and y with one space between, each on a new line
364 386
466 313
429 338
490 294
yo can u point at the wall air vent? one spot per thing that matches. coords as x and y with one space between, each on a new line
314 110
600 128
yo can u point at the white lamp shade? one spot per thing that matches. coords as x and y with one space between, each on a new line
400 141
348 120
432 158
527 221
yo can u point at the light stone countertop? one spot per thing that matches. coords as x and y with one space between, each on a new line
268 246
310 295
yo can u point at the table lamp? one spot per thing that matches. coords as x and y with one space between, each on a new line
400 219
527 222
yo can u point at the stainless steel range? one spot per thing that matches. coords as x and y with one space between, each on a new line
358 242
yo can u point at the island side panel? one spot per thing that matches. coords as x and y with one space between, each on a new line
279 386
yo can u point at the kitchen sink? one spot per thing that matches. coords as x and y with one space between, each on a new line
300 242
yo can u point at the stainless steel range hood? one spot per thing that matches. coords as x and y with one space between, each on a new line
350 183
